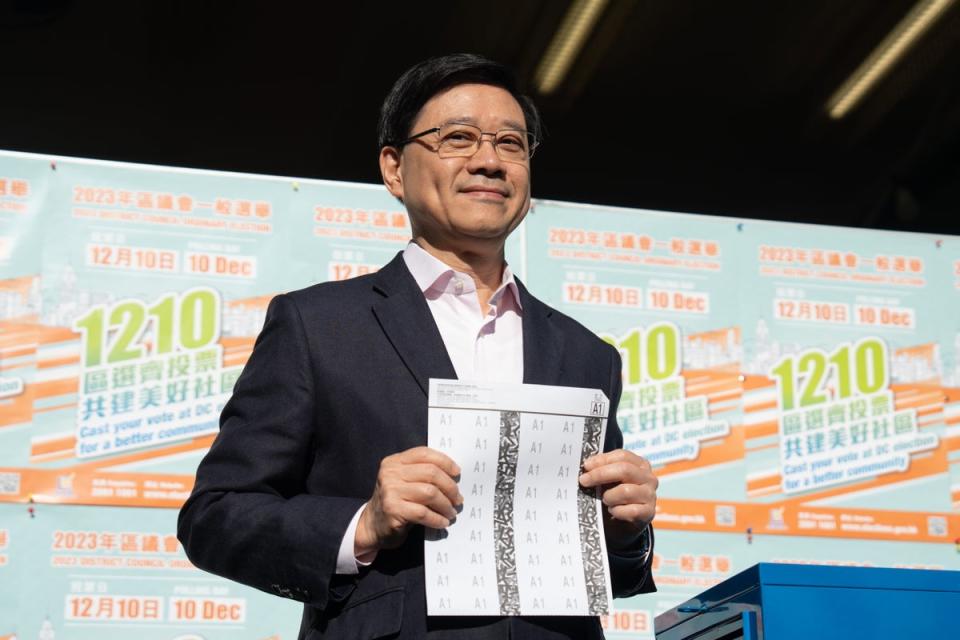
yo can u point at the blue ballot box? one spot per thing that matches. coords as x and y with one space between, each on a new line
793 602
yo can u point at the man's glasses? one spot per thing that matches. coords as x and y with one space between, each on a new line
458 140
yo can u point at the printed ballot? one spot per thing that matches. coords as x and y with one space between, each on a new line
529 540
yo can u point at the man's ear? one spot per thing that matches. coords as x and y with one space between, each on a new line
390 171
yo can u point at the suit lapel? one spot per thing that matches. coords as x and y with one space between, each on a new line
404 316
542 341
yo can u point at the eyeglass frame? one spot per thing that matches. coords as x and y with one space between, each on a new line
534 141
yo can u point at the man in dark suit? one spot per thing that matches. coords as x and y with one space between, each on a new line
319 484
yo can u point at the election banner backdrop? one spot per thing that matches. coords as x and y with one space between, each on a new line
796 388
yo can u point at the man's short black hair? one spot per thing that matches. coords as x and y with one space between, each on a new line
424 80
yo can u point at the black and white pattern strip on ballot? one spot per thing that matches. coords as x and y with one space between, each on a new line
507 586
590 531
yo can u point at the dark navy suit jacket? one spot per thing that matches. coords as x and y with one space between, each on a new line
336 382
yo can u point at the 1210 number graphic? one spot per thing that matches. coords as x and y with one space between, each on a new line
859 369
115 333
649 354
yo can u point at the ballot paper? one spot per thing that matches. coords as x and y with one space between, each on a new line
529 540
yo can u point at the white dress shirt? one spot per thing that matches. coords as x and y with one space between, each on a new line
482 347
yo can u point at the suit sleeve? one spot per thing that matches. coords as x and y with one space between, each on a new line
630 568
250 517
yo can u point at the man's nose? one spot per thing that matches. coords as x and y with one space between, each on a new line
486 157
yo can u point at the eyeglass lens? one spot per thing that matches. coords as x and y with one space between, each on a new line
458 139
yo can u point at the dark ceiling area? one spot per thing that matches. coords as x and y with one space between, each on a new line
698 106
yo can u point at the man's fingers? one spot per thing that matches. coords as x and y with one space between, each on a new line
618 472
415 486
430 496
426 455
409 503
601 459
617 455
629 494
640 514
413 513
427 473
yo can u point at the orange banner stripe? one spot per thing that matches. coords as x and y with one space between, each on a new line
716 386
17 353
52 335
764 482
52 456
760 406
55 388
58 362
715 398
762 429
751 382
66 443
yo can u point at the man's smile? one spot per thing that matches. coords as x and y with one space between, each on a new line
485 191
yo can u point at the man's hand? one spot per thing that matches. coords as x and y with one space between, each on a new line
629 493
416 486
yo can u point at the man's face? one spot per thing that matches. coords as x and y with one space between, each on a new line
463 204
